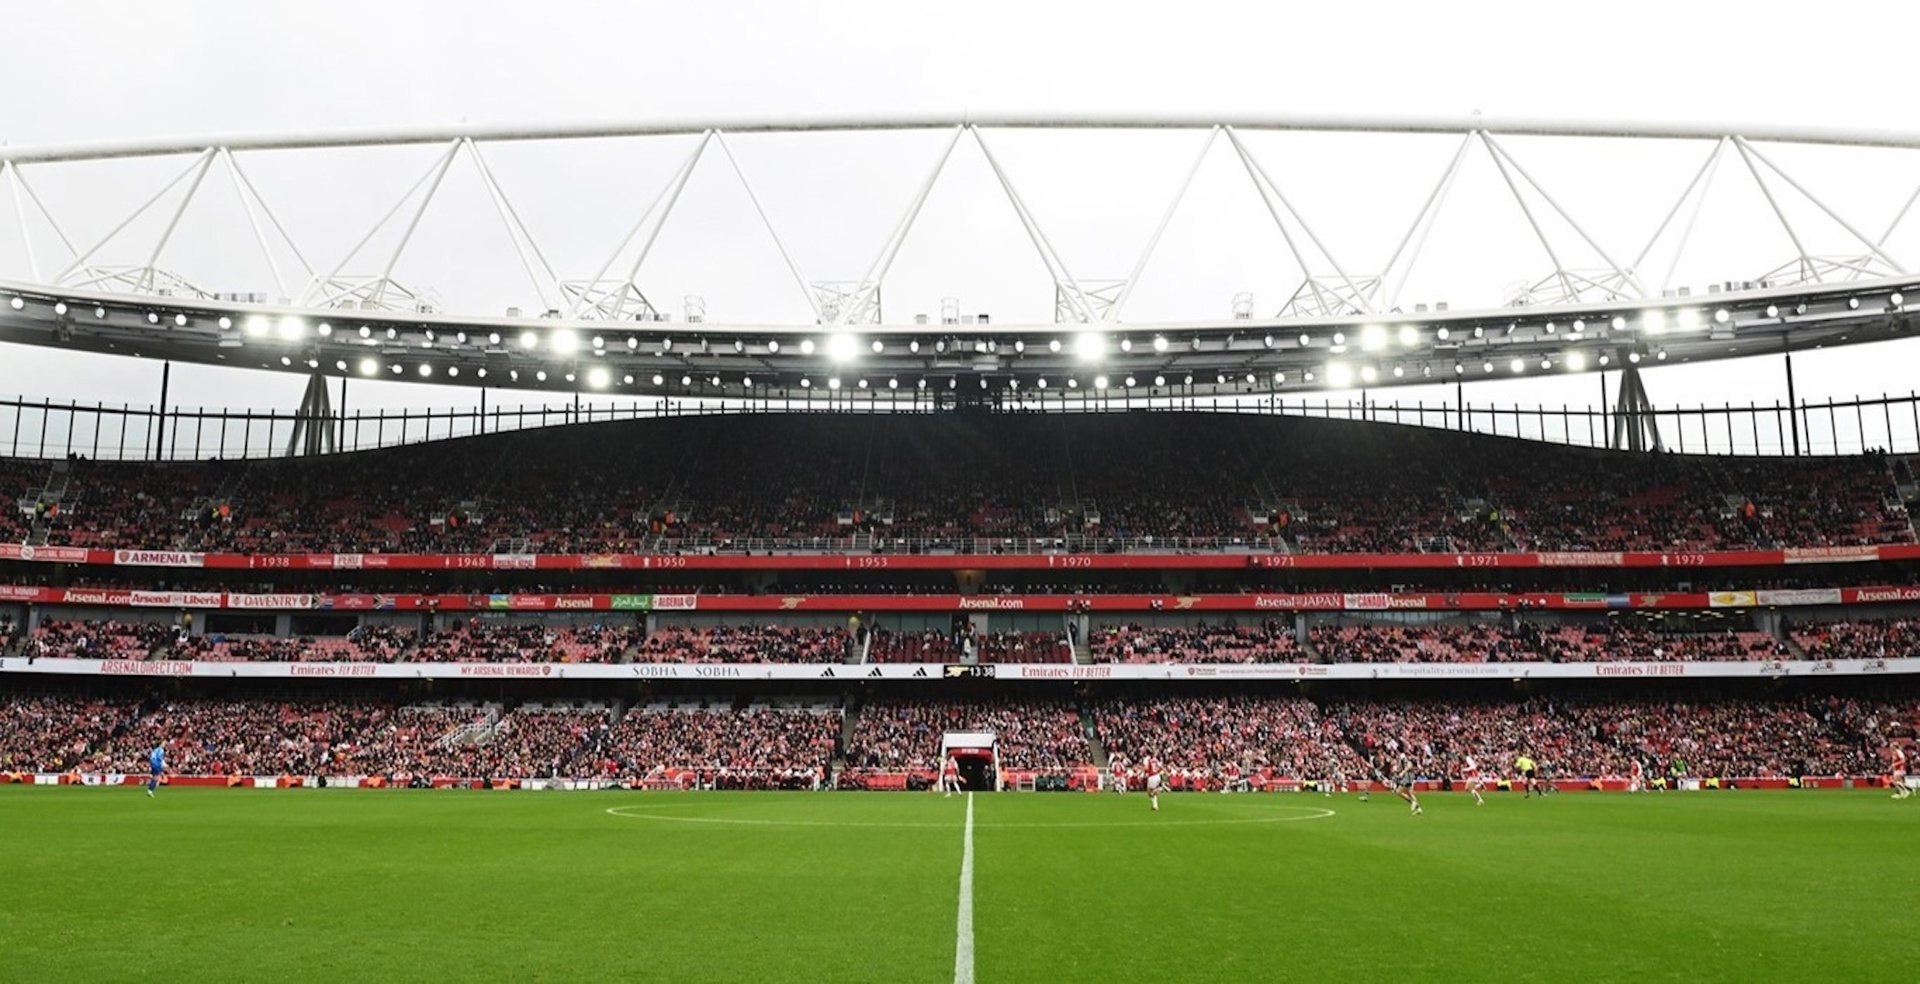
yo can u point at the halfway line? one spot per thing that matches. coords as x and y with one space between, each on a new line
963 934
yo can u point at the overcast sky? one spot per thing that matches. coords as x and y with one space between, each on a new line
122 71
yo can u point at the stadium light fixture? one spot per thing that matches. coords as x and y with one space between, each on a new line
1072 383
739 346
1339 375
1661 355
257 327
1619 323
879 346
1090 346
368 367
1574 361
1604 358
1853 304
715 380
833 382
528 340
100 311
806 383
1409 336
1339 338
1368 374
1653 321
1546 362
453 370
893 383
1306 340
179 320
1773 310
914 346
1042 382
153 317
633 344
460 336
666 344
806 346
426 369
1187 380
921 383
746 382
1279 377
627 379
292 328
60 308
599 343
564 341
286 360
493 338
324 330
1099 382
1897 299
1479 331
1517 365
1551 327
1486 366
18 303
597 377
686 380
773 346
1053 345
482 373
1633 358
1459 369
1159 343
861 382
1579 326
1399 371
540 376
842 347
392 334
1721 316
658 379
1309 375
1443 333
1687 319
1267 341
1126 344
1129 381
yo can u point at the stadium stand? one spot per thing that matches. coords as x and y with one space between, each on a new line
1187 480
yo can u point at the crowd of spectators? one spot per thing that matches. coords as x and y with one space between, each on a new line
1029 734
1895 638
762 747
906 480
1268 642
745 644
1528 642
477 641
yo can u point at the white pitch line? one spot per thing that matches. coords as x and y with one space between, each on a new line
963 934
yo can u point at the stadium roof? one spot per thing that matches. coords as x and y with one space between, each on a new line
1341 331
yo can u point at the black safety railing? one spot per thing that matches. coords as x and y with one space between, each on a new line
53 429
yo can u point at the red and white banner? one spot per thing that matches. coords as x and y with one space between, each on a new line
849 603
948 562
158 558
270 602
1750 669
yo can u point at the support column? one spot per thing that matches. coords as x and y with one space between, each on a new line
160 428
313 430
1634 425
1793 406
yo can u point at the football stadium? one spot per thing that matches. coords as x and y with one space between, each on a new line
1456 601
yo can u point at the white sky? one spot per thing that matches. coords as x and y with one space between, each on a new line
120 71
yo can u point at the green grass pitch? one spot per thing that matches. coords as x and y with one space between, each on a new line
360 885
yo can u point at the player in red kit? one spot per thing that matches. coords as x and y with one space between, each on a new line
1897 772
950 776
1471 772
1151 766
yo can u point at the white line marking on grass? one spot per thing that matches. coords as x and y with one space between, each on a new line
1311 813
963 934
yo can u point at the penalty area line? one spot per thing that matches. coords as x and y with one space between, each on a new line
963 932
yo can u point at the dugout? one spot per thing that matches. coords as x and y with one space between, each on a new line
978 755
